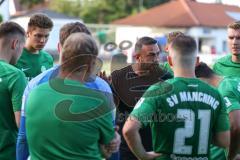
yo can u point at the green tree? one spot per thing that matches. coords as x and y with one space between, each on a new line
1 18
31 3
152 3
102 11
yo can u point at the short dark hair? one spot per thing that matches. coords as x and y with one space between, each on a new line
11 28
78 50
40 20
70 28
172 35
144 41
234 25
184 45
202 70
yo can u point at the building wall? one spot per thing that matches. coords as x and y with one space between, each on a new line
132 33
215 36
213 40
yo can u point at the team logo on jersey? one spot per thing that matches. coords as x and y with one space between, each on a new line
43 68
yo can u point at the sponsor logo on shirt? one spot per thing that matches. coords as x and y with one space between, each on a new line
193 85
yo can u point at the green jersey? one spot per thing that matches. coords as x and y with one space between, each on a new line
217 153
167 67
229 88
34 64
12 85
226 67
184 114
70 123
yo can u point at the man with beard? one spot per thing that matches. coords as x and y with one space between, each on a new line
230 65
129 84
34 60
195 114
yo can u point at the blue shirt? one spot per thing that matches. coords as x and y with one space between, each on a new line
97 83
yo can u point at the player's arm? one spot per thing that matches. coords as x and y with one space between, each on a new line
22 152
113 146
233 108
107 135
139 117
17 115
108 149
235 133
222 139
16 88
133 139
221 134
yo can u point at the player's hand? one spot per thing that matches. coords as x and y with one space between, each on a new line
151 155
105 152
113 146
103 75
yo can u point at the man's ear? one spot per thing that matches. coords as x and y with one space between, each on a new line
14 44
169 59
137 57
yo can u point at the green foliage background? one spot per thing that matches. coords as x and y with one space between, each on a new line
102 11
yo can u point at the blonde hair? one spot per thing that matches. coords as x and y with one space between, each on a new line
79 50
235 25
172 35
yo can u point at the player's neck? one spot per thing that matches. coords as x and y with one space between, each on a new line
216 80
31 49
4 56
184 73
77 76
236 58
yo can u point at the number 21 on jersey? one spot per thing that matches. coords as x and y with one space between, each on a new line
179 146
